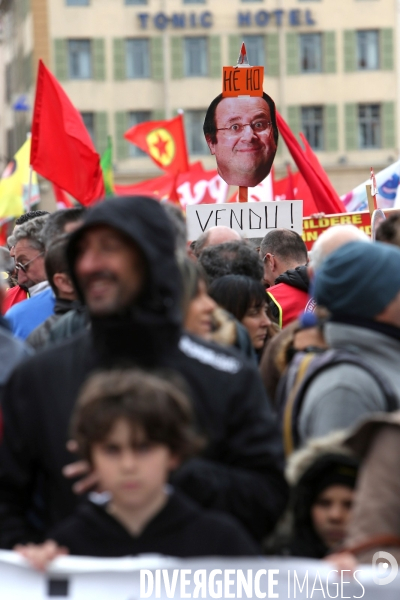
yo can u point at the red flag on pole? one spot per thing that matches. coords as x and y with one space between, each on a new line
62 150
289 192
162 188
164 141
325 197
61 197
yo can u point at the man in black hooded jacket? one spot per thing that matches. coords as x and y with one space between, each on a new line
123 266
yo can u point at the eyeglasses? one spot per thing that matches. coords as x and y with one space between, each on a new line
258 126
25 267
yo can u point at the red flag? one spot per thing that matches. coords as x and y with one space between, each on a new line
198 186
61 197
162 188
62 150
301 191
289 192
325 197
313 160
164 141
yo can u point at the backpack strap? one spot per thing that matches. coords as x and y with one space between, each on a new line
293 387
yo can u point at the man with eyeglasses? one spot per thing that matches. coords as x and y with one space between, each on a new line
29 251
18 293
243 135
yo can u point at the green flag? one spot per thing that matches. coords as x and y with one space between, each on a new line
106 167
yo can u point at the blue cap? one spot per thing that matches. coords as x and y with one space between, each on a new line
358 279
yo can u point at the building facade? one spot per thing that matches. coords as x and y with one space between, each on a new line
330 65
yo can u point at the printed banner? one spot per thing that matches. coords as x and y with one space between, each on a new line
312 228
76 578
387 182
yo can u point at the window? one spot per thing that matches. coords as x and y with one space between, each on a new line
312 124
310 53
88 119
196 57
194 1
137 59
135 1
194 120
77 2
369 125
80 59
255 47
134 118
367 50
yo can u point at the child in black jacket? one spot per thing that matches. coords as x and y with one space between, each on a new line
134 429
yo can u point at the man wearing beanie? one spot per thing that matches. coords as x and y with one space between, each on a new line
359 284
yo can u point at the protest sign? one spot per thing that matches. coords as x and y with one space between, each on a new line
240 127
77 578
253 219
313 227
242 82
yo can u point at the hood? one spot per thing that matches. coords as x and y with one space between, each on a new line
144 221
323 462
297 278
154 319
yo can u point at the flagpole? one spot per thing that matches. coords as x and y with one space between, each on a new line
27 208
243 193
28 201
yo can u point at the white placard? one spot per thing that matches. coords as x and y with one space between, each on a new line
75 578
251 219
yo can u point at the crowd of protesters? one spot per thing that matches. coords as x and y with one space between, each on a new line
225 397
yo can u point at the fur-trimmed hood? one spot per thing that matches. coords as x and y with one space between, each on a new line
302 460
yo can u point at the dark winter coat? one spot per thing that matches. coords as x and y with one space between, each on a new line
39 336
181 529
240 469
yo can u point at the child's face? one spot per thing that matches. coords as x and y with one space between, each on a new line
330 514
135 475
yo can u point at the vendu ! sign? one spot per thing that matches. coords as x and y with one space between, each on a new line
252 219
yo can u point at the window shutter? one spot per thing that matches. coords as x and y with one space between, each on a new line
350 51
329 41
101 131
158 114
121 125
294 121
234 42
292 53
331 128
272 54
60 59
99 59
351 125
214 48
157 58
387 49
388 125
176 57
25 8
119 59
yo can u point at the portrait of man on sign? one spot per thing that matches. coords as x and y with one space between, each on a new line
243 135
